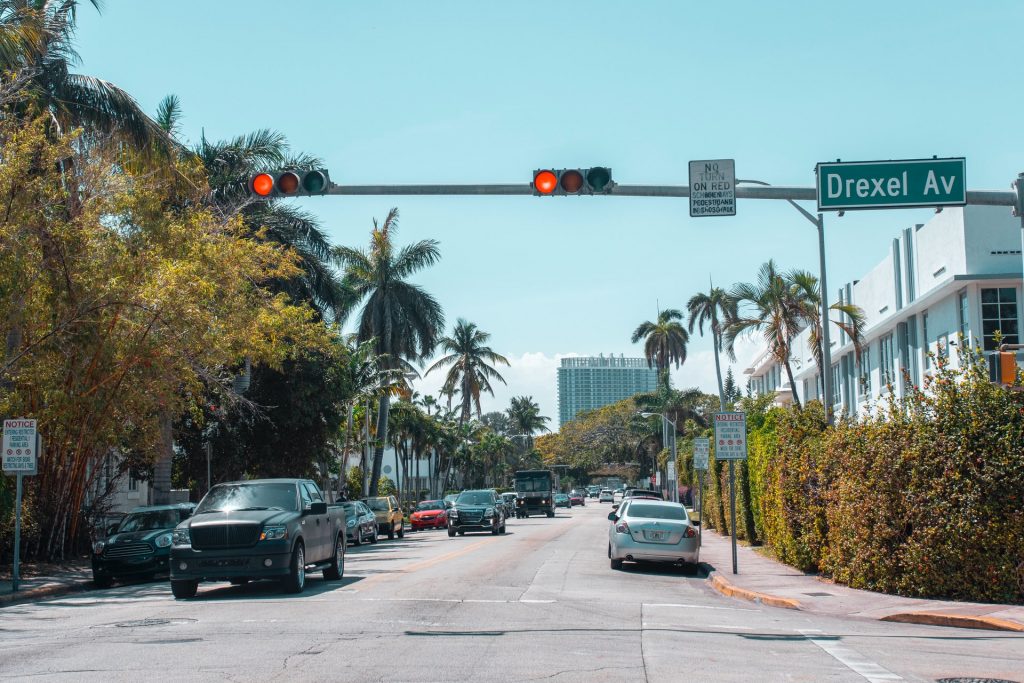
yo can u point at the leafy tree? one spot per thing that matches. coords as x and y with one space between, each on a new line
498 422
468 361
403 319
664 342
769 306
713 308
732 392
525 418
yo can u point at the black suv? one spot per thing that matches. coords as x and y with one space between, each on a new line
139 546
476 511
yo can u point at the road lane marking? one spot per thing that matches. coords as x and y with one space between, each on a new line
674 604
459 600
424 564
850 658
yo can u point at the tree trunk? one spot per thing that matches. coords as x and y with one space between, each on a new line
716 341
342 474
792 385
382 439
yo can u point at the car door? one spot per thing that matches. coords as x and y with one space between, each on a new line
396 512
314 527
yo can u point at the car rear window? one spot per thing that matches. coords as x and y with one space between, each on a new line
378 504
430 505
638 509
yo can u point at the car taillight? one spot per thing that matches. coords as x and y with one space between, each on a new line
691 532
622 527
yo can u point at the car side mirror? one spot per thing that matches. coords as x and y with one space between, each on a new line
317 508
612 516
112 529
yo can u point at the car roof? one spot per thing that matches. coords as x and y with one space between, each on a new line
154 508
661 503
477 491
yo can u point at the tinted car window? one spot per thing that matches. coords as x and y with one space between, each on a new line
225 497
149 521
475 498
378 504
430 505
656 511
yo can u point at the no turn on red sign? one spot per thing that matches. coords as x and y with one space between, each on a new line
20 446
731 436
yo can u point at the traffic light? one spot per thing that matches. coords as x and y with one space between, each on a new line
290 183
572 181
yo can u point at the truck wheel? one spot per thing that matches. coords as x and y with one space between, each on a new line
102 580
401 529
336 569
495 529
551 513
183 590
502 529
616 564
296 580
451 532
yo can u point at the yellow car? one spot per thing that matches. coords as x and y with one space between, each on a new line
389 514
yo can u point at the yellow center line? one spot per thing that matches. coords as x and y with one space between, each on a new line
425 564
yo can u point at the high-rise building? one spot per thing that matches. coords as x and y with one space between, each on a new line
589 383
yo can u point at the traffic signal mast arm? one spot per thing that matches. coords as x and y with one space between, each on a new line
977 197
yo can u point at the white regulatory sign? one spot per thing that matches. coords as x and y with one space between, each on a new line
731 436
701 453
713 188
19 446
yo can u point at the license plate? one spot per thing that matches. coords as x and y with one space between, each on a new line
655 535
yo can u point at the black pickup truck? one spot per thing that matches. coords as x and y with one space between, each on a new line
259 529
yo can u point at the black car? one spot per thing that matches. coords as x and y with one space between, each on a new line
139 546
476 511
360 523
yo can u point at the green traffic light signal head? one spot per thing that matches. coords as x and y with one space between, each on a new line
315 182
599 178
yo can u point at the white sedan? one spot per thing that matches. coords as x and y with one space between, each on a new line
647 530
606 496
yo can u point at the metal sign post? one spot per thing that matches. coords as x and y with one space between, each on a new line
701 455
20 450
731 445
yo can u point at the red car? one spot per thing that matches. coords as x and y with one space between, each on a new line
577 498
429 514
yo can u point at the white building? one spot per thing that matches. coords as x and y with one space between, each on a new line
957 274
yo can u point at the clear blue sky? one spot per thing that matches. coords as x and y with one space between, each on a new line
401 92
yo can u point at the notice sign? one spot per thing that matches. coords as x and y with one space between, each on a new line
19 446
713 188
701 453
731 436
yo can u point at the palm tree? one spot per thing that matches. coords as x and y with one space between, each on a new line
664 341
468 358
767 306
524 414
850 318
403 319
713 308
36 50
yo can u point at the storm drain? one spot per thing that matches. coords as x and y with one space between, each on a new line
820 595
968 679
141 623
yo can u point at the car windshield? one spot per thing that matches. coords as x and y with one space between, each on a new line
261 496
475 498
533 483
645 511
561 496
150 520
430 505
378 504
350 509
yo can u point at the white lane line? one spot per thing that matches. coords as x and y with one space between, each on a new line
851 659
536 602
674 604
458 600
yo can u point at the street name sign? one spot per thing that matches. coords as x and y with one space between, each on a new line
712 188
731 436
701 453
19 446
851 185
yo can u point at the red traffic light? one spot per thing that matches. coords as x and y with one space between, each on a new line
288 183
263 184
545 182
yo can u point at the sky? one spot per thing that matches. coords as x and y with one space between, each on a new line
471 92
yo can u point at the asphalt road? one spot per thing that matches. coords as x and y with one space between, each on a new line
539 603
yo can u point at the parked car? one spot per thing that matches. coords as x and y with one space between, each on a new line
606 496
449 499
648 530
429 514
139 545
360 523
390 518
259 529
476 511
638 493
510 503
577 498
562 501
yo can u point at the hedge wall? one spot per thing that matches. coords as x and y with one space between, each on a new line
926 498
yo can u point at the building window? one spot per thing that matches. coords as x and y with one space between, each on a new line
864 374
133 483
835 384
965 320
924 339
886 361
999 316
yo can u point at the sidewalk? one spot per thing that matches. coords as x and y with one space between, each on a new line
43 581
772 583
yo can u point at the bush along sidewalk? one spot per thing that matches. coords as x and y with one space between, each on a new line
925 498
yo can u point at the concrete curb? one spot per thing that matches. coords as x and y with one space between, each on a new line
728 589
955 620
45 591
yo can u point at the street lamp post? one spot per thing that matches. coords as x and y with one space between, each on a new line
674 489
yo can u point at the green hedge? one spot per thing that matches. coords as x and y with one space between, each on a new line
926 498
